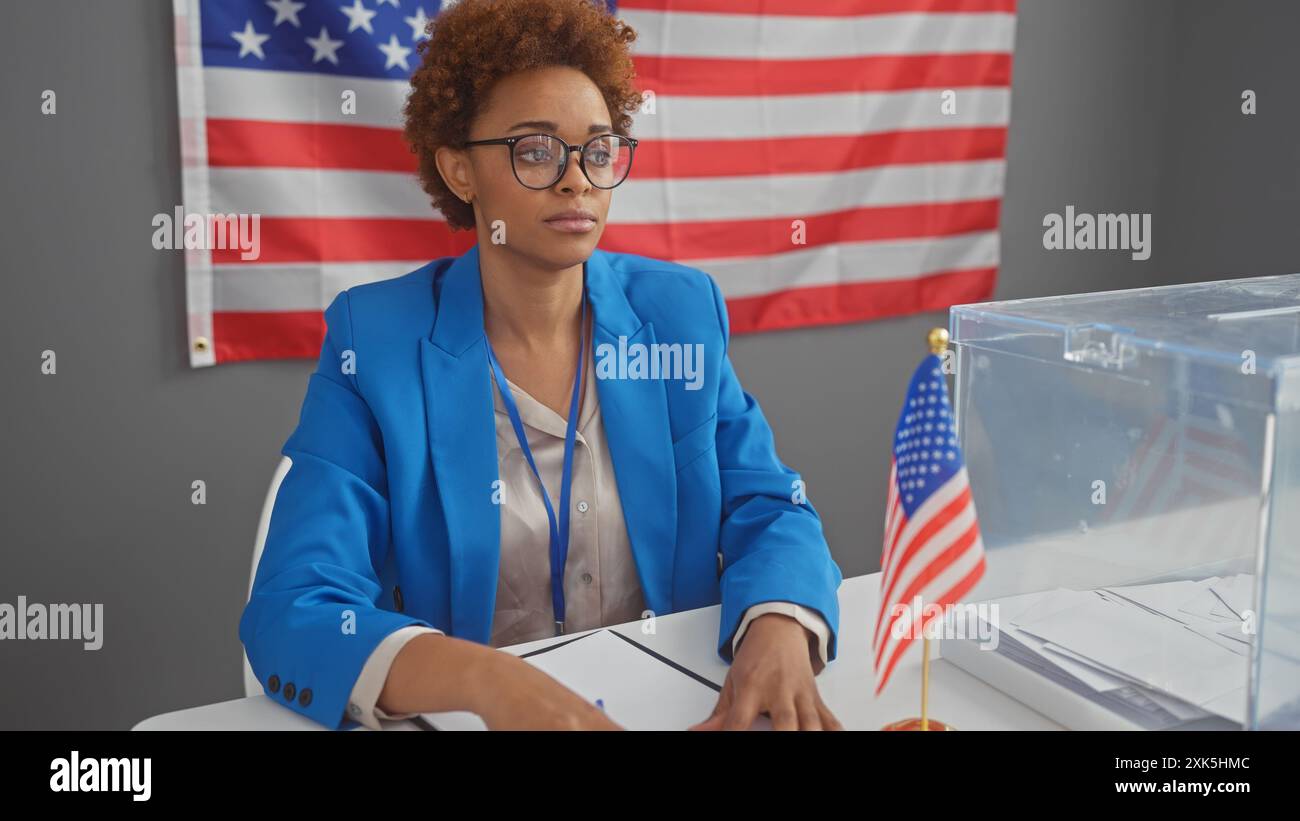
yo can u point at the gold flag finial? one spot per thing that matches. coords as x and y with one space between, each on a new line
938 341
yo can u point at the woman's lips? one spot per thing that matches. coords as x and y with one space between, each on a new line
572 225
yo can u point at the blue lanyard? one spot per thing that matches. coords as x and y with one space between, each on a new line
560 529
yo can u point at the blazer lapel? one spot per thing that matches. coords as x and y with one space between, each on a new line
462 442
462 445
635 415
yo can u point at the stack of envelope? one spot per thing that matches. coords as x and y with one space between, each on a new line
1160 654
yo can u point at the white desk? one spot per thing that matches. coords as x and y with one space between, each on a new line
689 639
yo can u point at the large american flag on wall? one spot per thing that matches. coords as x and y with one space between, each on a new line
862 177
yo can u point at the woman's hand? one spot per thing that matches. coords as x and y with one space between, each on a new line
521 697
435 673
772 673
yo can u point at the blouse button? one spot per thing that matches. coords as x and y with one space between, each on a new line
586 578
583 507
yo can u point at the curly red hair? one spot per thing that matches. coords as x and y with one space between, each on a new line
475 43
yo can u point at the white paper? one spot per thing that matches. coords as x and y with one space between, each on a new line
639 691
1231 705
1166 598
1205 608
1236 592
1145 647
1028 608
1040 605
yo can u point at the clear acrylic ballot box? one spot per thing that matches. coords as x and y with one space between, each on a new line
1134 458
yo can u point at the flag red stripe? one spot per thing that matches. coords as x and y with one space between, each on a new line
893 513
1192 491
243 335
819 8
350 239
240 335
1148 443
270 144
660 159
889 527
937 522
936 566
1215 439
1234 473
733 77
858 301
1133 465
896 529
898 534
730 238
1150 488
338 239
266 144
958 590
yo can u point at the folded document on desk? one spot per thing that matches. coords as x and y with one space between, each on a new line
639 690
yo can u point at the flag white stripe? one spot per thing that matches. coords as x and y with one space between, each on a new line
893 511
1143 475
891 528
296 192
937 543
702 34
929 594
709 200
846 262
921 560
296 287
930 508
239 286
967 561
297 97
1164 485
194 182
813 115
311 192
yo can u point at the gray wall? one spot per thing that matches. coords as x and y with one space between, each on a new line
1118 105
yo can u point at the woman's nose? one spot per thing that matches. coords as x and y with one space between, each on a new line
573 179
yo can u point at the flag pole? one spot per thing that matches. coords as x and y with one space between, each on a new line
937 340
925 684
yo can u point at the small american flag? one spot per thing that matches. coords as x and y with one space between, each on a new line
825 161
932 549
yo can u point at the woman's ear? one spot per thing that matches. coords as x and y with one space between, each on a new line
457 174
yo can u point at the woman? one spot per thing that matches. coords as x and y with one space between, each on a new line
534 437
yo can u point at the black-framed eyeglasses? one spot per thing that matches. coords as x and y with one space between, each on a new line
540 160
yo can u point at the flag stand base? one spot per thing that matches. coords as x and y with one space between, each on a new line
910 724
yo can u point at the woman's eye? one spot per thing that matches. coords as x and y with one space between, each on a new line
598 157
537 155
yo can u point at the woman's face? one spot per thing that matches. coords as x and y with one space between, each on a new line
559 101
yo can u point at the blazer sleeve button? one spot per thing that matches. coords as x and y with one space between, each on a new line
289 691
273 684
304 697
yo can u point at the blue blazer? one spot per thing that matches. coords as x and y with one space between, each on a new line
386 517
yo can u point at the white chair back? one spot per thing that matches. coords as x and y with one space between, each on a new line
252 686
